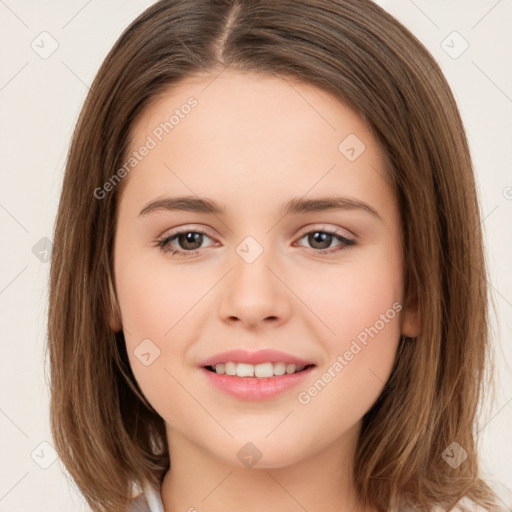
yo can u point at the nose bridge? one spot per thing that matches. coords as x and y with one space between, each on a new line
252 263
254 292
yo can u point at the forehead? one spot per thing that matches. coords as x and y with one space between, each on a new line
253 132
234 105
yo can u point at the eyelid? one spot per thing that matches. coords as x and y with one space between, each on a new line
330 229
304 231
164 240
186 228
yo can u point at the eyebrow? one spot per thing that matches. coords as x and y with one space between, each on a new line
293 206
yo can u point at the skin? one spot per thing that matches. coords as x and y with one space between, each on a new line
252 143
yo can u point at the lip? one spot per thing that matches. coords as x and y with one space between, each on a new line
256 388
258 357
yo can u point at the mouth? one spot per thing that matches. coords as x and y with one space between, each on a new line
258 382
255 375
259 371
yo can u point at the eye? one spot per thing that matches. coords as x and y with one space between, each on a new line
322 238
190 241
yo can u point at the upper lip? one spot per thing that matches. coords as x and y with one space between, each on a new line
257 357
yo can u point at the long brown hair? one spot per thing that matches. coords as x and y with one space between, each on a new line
106 433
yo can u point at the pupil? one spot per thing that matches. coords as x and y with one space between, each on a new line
190 238
318 237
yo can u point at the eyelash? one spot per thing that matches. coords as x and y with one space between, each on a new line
163 243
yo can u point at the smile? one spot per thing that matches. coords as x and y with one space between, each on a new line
263 386
263 370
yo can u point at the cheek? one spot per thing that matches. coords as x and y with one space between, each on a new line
151 301
360 303
154 298
156 305
352 297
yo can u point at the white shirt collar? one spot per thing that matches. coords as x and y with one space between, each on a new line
153 498
149 501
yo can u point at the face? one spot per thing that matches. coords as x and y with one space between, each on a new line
302 256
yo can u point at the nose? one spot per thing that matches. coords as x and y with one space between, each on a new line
254 293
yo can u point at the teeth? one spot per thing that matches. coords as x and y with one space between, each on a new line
262 370
229 368
279 368
245 370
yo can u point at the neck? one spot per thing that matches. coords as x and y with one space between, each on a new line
199 480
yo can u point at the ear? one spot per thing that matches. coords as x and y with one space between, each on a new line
114 315
411 321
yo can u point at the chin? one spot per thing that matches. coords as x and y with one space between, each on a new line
259 453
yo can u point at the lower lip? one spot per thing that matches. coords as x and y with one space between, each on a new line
256 388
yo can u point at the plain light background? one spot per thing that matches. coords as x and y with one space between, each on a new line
40 98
